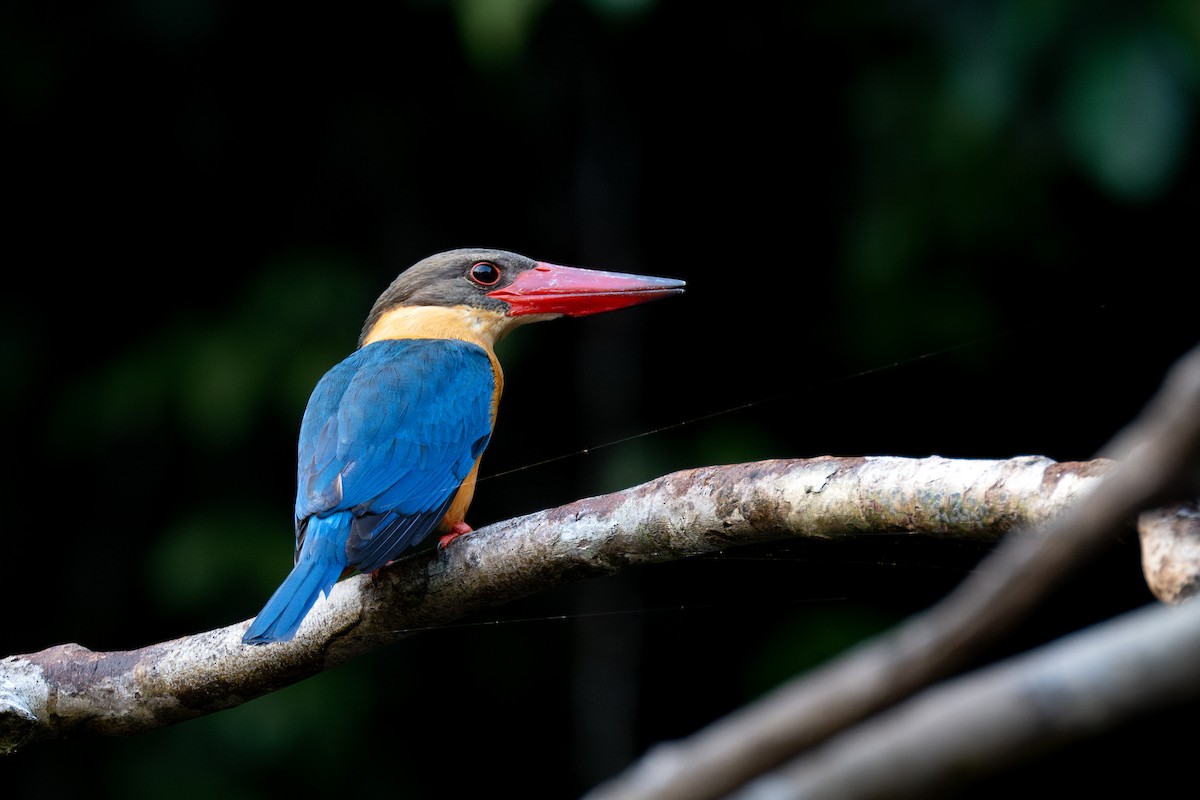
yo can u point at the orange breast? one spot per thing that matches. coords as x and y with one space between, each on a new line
478 326
462 499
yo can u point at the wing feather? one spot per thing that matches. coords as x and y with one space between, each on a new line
390 434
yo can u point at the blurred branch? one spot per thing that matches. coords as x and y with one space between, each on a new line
70 690
959 731
829 711
1170 539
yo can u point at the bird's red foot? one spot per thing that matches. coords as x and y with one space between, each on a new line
459 529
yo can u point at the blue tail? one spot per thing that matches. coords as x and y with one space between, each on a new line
321 562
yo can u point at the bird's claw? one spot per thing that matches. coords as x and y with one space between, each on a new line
457 530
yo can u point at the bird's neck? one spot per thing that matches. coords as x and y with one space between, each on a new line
475 325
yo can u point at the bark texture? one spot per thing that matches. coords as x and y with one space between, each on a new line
773 747
69 690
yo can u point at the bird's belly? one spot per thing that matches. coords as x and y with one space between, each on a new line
462 499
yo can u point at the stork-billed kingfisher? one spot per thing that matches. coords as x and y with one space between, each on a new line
391 439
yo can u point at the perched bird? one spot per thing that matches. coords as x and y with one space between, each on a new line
391 439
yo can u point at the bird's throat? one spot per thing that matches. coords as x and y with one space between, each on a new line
476 325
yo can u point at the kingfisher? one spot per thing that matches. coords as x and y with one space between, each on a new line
391 439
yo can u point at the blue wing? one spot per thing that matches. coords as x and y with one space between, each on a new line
389 435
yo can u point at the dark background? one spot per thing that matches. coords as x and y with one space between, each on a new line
908 228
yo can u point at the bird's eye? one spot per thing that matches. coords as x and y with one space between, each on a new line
485 273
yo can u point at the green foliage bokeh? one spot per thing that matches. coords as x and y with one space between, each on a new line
907 228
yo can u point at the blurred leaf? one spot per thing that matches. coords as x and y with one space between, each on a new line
248 750
494 32
1127 115
623 9
735 442
808 640
624 465
223 379
217 377
179 22
193 564
992 48
332 706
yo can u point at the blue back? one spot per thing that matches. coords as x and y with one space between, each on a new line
388 435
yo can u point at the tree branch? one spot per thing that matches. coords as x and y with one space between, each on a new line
988 721
1170 539
70 690
1159 456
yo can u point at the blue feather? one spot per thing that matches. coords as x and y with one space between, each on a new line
388 437
321 561
377 538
